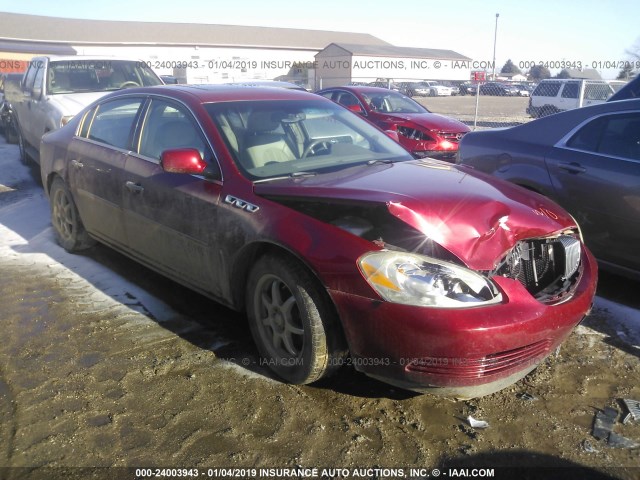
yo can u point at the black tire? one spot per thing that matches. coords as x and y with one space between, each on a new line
433 93
292 321
547 110
24 156
67 225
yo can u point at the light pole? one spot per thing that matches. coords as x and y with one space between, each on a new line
495 39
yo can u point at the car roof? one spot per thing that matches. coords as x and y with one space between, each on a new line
227 93
359 89
80 58
268 83
549 130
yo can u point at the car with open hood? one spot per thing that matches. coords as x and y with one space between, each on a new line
421 132
336 242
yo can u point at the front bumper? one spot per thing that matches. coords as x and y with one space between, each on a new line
461 352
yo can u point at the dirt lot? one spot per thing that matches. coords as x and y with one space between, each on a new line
104 363
492 111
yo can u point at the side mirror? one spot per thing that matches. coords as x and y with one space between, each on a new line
187 160
356 109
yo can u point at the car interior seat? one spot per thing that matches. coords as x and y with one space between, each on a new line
263 144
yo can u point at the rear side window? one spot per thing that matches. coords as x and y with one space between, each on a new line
597 91
614 135
113 122
547 89
571 90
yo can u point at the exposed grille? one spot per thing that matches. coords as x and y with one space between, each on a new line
480 367
548 267
454 137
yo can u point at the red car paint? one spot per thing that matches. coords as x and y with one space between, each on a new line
465 217
442 134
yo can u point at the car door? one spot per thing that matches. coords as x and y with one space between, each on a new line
171 218
594 172
569 96
23 106
96 159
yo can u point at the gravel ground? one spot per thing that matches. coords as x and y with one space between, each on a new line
106 364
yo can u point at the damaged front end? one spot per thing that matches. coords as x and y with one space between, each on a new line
410 267
466 304
549 268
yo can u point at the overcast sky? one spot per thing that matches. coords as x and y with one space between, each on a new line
595 33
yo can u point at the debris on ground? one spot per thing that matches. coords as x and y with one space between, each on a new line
473 423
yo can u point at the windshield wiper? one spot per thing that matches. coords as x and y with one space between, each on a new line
291 175
374 162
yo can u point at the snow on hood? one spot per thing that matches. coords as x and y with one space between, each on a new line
476 217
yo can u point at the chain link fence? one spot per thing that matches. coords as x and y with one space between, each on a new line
491 104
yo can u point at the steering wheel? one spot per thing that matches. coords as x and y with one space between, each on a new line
129 83
312 145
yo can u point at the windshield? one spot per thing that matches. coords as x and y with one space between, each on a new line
75 76
392 102
279 138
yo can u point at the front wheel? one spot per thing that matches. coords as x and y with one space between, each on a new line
292 321
69 231
24 156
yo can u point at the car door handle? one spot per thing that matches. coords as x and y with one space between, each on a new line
76 164
134 187
572 167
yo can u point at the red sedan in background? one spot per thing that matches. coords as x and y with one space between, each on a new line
327 233
423 133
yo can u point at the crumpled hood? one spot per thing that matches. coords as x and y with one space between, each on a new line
476 217
432 121
72 103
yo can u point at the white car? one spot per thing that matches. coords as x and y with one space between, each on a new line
437 90
55 88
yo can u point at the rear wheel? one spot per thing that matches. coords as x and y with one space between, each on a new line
292 321
547 110
68 228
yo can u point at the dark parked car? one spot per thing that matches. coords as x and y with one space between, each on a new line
327 233
8 81
498 89
414 89
468 88
588 160
421 132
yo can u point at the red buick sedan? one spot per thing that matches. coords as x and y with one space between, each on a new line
423 133
333 239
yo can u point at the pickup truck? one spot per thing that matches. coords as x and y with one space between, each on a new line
54 89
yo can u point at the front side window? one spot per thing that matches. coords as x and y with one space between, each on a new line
169 126
113 122
272 139
547 89
613 135
30 76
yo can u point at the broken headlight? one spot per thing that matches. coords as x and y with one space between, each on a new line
423 281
